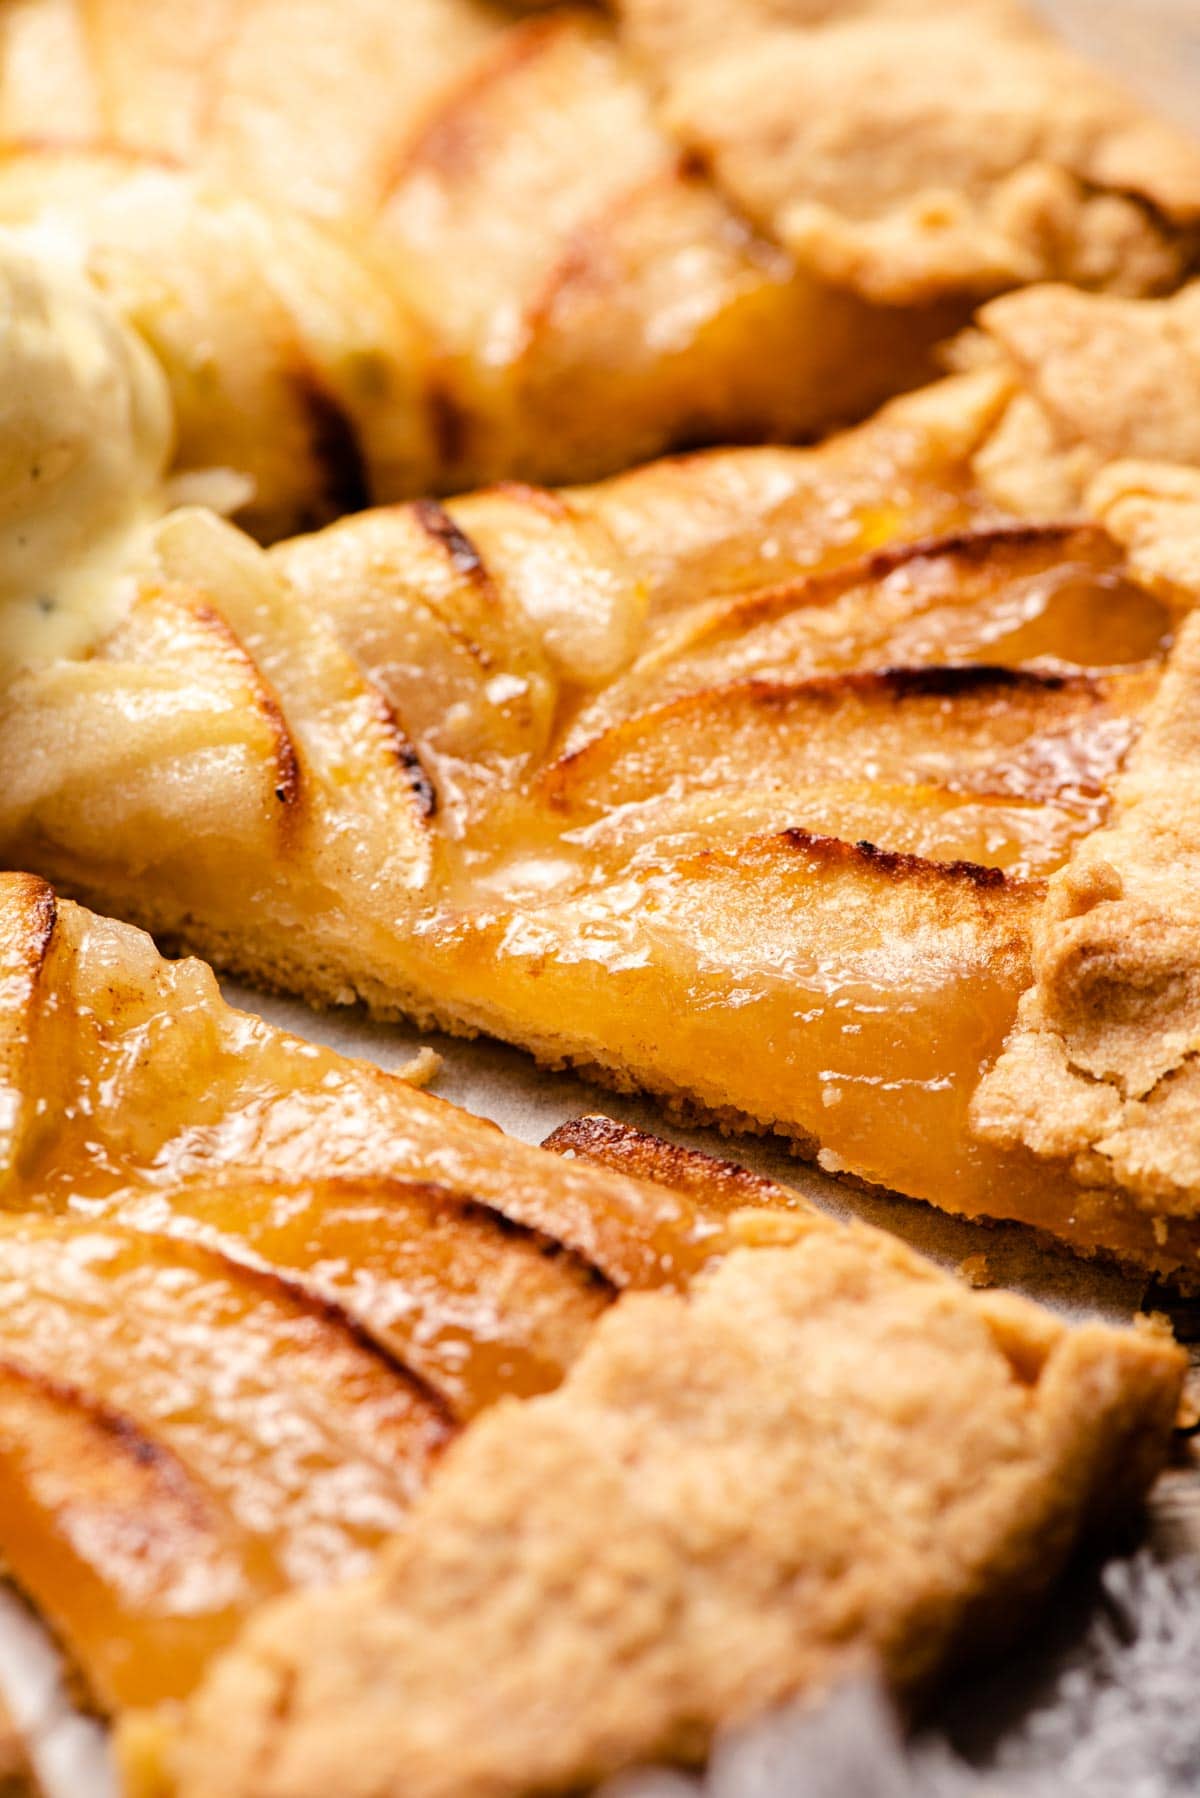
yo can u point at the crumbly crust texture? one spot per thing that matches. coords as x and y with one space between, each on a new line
1101 1069
898 153
1153 509
827 1451
1095 379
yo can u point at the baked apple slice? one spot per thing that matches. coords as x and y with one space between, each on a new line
127 1074
853 990
993 765
249 1291
473 1305
1004 596
179 1437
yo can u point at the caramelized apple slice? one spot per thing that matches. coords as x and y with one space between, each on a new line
997 766
28 916
410 596
1012 595
347 737
1024 837
535 141
227 1436
173 711
971 729
314 104
47 71
469 619
250 739
731 521
135 1074
595 299
155 83
474 1306
550 119
128 1555
562 574
407 556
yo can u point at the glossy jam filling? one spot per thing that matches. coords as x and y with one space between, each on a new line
475 1309
180 1436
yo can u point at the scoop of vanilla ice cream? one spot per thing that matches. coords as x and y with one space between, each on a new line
85 436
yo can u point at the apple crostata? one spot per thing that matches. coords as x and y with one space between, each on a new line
738 778
381 254
841 792
264 1308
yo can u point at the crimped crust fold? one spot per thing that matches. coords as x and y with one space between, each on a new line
825 1452
902 149
1101 1070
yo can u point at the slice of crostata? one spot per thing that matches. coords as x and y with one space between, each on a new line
820 1453
646 1437
738 779
251 1290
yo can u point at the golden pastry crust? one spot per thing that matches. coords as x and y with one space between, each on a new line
825 1451
900 153
1101 1070
288 719
1096 379
1153 508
